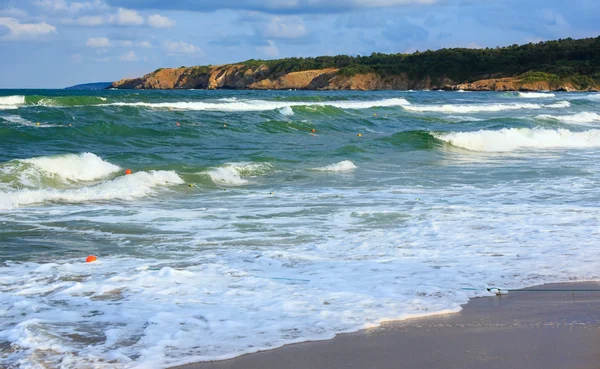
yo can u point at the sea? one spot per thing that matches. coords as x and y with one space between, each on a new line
256 219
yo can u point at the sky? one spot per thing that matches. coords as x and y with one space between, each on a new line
58 43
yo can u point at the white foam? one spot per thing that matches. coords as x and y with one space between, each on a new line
263 105
127 187
510 139
593 97
236 174
11 102
536 95
579 118
287 111
481 108
73 167
342 166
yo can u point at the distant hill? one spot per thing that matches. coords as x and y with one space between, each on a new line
90 86
562 65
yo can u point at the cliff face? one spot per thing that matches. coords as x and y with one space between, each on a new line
239 76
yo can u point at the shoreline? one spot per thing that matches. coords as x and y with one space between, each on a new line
548 326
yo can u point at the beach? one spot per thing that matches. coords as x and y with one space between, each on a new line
532 328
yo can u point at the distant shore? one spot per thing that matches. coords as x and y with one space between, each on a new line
539 327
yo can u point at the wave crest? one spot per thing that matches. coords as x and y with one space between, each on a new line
510 139
234 105
579 118
11 102
482 108
342 166
536 95
236 174
128 187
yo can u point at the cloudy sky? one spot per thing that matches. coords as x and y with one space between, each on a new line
56 43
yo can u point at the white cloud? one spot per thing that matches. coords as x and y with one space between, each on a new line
270 50
105 42
129 56
77 58
98 42
158 21
71 7
285 27
13 12
90 21
20 31
181 47
126 17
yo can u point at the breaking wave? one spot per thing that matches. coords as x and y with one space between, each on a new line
510 139
536 95
342 166
128 187
237 174
579 118
473 108
231 105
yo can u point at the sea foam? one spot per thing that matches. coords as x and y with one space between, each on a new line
510 139
127 187
584 118
481 108
536 95
237 174
232 105
342 166
73 167
11 102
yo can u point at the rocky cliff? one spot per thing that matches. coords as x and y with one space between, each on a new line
240 76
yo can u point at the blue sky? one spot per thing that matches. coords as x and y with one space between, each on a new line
57 43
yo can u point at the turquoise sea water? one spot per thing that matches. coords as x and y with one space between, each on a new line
240 229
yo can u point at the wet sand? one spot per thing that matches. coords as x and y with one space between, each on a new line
525 329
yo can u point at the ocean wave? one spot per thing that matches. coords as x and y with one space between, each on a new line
11 102
234 105
24 122
69 168
342 166
579 118
482 108
510 139
287 111
127 187
237 174
536 95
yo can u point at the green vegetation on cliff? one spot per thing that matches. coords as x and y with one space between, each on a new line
568 59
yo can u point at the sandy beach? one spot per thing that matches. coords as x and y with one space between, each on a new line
538 327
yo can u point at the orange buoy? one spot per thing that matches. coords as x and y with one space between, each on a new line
91 259
178 124
313 130
128 171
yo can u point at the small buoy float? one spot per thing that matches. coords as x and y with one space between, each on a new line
191 185
37 124
359 135
91 259
127 171
374 115
70 125
313 130
178 124
224 125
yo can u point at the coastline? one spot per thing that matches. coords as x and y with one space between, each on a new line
536 327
